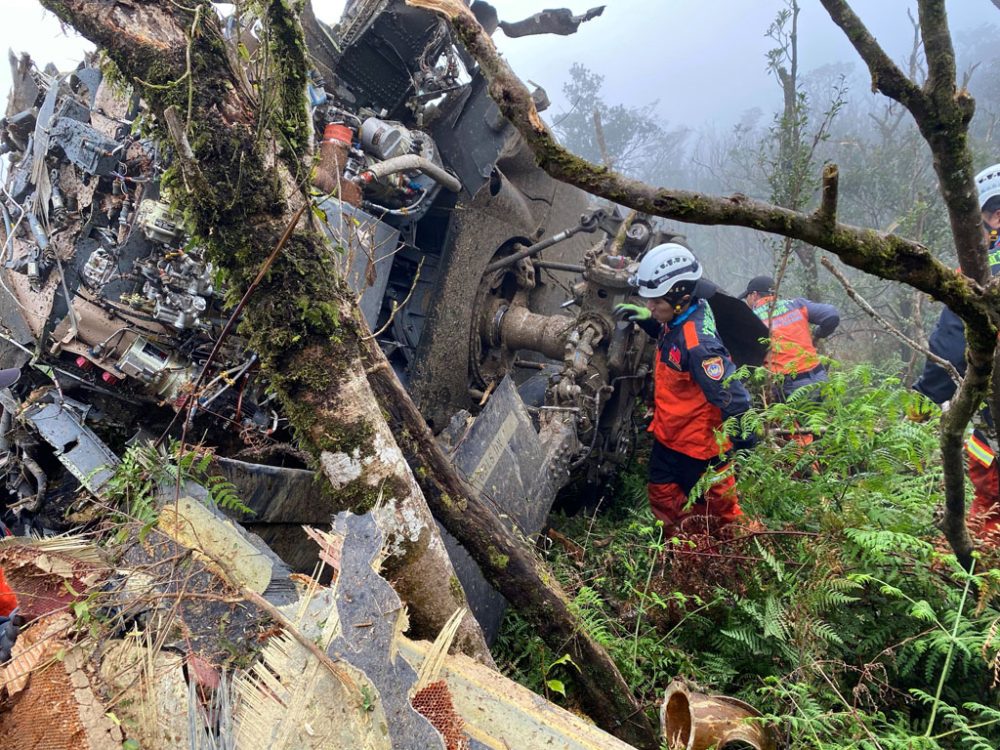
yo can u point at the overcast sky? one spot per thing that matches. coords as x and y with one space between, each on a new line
703 60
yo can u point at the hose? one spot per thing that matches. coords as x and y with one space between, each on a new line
410 162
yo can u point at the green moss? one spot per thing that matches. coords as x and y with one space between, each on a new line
497 559
356 496
289 56
455 586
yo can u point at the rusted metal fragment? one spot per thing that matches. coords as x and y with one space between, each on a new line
59 710
695 721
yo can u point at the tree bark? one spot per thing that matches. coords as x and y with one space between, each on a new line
239 176
942 114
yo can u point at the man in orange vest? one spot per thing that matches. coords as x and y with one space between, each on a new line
694 390
792 355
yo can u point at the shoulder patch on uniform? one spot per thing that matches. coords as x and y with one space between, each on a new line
713 367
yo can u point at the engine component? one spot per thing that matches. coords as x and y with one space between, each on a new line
178 309
84 146
334 172
412 162
157 222
178 284
408 161
385 140
164 372
99 268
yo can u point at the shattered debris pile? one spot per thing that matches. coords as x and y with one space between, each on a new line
143 646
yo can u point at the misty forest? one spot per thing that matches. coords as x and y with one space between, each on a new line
350 391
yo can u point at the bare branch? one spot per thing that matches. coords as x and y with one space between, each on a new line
941 71
599 133
864 305
886 76
827 210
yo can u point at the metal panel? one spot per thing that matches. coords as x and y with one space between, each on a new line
502 457
77 448
368 246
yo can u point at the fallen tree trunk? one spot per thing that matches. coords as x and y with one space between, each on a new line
509 564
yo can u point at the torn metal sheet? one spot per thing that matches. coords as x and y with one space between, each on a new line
371 620
501 457
78 449
501 714
276 494
218 541
559 21
367 247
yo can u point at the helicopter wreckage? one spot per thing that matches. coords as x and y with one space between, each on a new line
489 286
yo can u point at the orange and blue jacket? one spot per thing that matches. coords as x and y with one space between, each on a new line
792 351
694 391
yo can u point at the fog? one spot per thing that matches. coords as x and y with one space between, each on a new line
703 62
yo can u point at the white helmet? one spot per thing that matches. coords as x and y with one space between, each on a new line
663 267
988 184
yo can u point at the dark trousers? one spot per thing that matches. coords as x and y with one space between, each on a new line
672 476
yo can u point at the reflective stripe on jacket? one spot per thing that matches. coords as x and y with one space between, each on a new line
692 397
979 449
792 350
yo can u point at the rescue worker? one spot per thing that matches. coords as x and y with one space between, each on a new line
792 355
8 618
693 389
948 342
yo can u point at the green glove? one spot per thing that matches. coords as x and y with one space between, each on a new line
633 312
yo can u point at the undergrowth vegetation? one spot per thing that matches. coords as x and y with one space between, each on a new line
146 470
836 609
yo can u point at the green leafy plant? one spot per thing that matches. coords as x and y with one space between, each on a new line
838 611
144 469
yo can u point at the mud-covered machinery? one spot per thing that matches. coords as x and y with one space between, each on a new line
591 367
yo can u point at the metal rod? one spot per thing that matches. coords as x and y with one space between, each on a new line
556 266
532 249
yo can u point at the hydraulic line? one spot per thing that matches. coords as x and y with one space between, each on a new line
409 163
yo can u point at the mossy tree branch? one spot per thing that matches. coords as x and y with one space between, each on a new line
883 255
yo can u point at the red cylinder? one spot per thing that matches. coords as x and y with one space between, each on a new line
108 378
336 131
83 363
